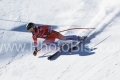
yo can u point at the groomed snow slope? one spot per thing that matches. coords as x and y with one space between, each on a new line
100 58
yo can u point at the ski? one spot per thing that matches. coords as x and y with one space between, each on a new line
50 57
70 50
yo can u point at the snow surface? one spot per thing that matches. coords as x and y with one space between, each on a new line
100 58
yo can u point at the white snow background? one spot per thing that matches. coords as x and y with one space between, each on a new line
102 62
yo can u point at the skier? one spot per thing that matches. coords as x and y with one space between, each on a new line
46 32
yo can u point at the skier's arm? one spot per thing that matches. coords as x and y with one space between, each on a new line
35 42
35 45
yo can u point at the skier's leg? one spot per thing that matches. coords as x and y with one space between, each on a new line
52 37
74 37
70 37
60 36
51 40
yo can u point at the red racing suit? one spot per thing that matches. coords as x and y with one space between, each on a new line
45 33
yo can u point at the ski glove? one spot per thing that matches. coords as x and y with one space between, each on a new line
35 52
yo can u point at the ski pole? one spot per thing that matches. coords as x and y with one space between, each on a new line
40 48
75 28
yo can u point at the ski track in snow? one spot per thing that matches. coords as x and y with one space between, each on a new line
102 15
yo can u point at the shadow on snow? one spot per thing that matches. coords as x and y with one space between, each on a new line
84 50
22 28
